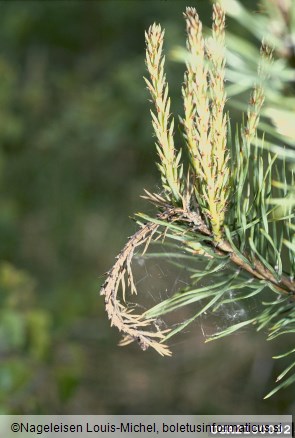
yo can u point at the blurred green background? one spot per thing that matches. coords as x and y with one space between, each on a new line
76 152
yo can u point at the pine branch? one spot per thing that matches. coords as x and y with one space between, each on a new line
242 222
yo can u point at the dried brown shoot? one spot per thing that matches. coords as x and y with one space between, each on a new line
134 327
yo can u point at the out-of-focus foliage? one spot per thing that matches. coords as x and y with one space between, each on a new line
73 158
66 160
24 332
